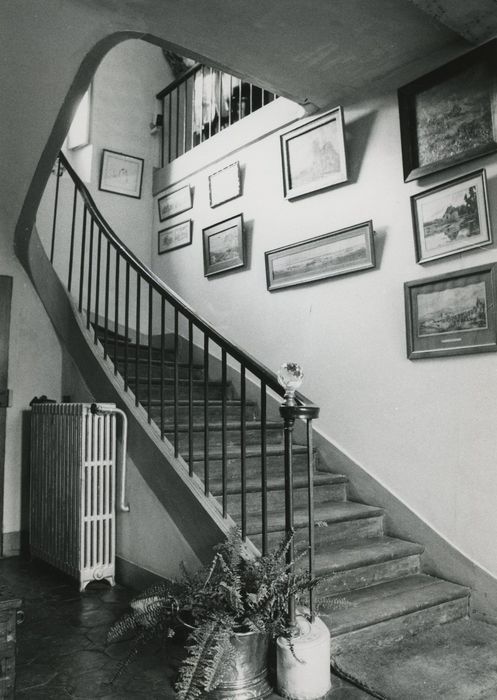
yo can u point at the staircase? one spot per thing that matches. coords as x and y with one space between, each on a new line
374 591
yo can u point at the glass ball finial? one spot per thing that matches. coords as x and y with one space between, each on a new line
290 377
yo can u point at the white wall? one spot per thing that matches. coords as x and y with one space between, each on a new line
425 428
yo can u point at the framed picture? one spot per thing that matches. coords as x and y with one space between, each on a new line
224 246
175 236
313 154
121 174
452 314
175 202
451 218
338 253
224 185
449 116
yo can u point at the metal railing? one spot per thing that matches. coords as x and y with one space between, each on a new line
200 104
218 407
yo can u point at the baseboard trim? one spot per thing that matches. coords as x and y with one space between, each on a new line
12 543
135 576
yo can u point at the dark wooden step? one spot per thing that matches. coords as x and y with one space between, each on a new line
364 562
392 610
157 368
215 389
274 434
214 410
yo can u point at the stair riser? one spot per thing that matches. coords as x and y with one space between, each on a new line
398 628
363 576
276 499
275 466
142 352
214 413
253 437
183 372
335 532
215 391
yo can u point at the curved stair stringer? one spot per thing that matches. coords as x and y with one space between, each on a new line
197 516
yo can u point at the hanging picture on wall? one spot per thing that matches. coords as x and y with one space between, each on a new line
451 218
224 185
224 246
175 236
338 253
452 314
121 174
313 154
449 116
175 202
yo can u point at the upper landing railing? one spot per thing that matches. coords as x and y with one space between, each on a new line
200 104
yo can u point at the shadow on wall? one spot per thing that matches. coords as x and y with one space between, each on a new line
357 135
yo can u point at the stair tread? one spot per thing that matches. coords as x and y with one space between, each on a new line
274 483
230 425
352 554
328 511
155 361
199 402
368 606
250 451
156 381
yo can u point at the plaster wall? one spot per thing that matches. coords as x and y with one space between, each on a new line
424 429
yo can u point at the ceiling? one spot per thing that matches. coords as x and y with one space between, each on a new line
319 51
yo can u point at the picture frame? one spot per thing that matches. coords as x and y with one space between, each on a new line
313 154
337 253
451 218
224 246
177 201
449 115
175 236
452 314
225 185
121 174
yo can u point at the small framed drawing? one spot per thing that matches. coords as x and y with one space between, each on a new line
175 236
175 202
449 115
121 174
337 253
224 246
452 314
224 185
451 218
313 154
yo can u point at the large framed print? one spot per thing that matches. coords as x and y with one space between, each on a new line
224 185
452 314
176 236
224 246
121 174
175 202
313 154
451 218
337 253
449 116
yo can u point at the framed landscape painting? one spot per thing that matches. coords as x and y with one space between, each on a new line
337 253
224 246
175 202
121 174
313 154
452 314
449 116
175 236
451 218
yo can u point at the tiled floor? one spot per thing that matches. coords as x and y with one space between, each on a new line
62 650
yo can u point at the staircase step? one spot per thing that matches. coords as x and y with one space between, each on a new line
233 409
335 521
359 563
325 490
156 367
391 611
275 483
214 391
274 434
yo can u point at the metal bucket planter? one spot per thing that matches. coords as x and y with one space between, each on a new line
246 678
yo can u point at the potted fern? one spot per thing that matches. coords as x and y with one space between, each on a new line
230 609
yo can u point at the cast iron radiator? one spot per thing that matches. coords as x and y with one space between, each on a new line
73 486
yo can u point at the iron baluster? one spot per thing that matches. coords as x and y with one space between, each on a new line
206 413
116 312
97 287
82 260
106 305
243 450
58 175
137 336
90 270
73 226
264 467
149 352
162 360
190 396
224 464
126 328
